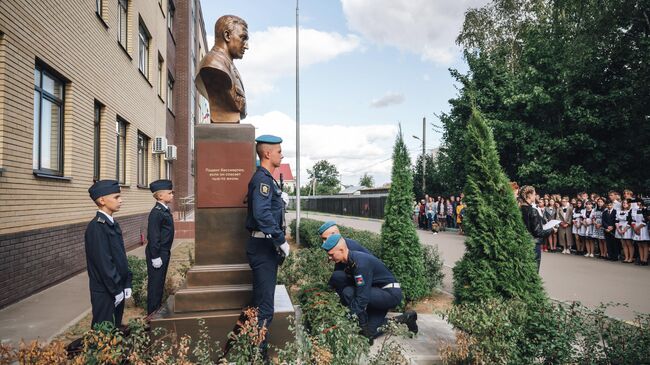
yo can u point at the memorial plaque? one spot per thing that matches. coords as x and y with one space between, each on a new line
223 171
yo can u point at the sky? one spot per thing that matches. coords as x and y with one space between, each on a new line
366 67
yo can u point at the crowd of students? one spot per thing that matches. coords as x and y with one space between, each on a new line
438 214
591 225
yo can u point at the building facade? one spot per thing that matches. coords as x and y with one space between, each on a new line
186 45
84 94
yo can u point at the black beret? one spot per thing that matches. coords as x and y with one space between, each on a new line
160 185
102 188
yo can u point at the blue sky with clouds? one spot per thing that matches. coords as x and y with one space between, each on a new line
365 66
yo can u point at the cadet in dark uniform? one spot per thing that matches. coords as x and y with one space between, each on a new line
374 290
108 269
160 235
267 245
339 279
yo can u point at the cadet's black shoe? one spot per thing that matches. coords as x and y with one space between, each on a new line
409 318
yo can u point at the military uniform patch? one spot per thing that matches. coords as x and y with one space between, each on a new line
358 280
264 189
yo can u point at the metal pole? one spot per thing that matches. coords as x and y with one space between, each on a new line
424 159
297 232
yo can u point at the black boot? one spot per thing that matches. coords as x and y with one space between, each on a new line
409 318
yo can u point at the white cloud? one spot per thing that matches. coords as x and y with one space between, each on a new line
388 99
425 27
353 149
272 54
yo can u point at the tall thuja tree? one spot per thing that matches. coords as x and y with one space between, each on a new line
401 249
499 259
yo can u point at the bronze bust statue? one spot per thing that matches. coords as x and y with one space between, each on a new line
218 79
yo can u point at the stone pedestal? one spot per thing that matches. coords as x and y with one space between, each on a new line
220 283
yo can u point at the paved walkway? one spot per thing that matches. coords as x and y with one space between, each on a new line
50 312
566 277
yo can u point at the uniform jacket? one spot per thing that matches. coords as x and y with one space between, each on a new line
352 246
265 206
565 217
108 268
367 271
533 223
609 220
160 231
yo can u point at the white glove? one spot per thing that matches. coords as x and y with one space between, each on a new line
119 298
285 249
285 197
157 263
127 293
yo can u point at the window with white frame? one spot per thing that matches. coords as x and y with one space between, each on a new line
48 122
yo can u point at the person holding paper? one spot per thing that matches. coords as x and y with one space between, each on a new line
533 221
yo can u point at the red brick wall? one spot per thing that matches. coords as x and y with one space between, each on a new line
31 261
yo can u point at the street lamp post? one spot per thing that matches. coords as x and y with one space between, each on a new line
423 139
297 232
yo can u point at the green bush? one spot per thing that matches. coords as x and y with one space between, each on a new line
497 331
138 267
401 250
499 259
432 267
309 236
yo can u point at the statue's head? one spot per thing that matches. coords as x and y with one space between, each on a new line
231 34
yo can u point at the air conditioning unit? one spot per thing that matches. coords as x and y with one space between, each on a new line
170 155
160 145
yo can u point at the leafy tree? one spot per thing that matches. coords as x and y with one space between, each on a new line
401 249
499 258
367 180
327 177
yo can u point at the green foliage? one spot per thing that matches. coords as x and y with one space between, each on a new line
391 352
138 267
434 182
327 177
367 180
505 332
499 257
401 249
561 83
432 267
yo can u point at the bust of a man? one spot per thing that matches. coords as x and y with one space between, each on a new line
218 79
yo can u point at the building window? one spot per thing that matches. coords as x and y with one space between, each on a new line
161 84
120 156
122 22
170 92
48 122
170 15
98 7
97 128
143 166
144 38
168 170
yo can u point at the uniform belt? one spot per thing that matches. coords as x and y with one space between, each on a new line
391 285
258 234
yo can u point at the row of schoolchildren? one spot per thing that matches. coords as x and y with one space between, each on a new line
439 213
108 269
594 226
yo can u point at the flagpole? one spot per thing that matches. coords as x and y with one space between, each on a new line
297 232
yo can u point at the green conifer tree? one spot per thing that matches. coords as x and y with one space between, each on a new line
401 249
499 260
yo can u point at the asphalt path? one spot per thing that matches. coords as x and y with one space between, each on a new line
566 278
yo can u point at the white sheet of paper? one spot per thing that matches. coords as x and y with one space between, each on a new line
551 224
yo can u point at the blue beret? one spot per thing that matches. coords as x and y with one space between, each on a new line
326 226
267 138
331 241
161 185
102 188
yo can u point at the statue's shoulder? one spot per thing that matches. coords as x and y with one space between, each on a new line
216 59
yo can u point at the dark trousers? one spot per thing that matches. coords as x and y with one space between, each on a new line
613 246
263 260
381 300
339 280
104 309
156 281
538 255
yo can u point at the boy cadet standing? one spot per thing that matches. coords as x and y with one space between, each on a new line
160 235
108 270
267 246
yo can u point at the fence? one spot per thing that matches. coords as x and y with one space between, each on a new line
369 206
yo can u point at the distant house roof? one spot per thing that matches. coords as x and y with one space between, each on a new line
350 190
380 190
285 170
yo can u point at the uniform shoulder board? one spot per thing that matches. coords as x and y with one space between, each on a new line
101 220
265 189
158 207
